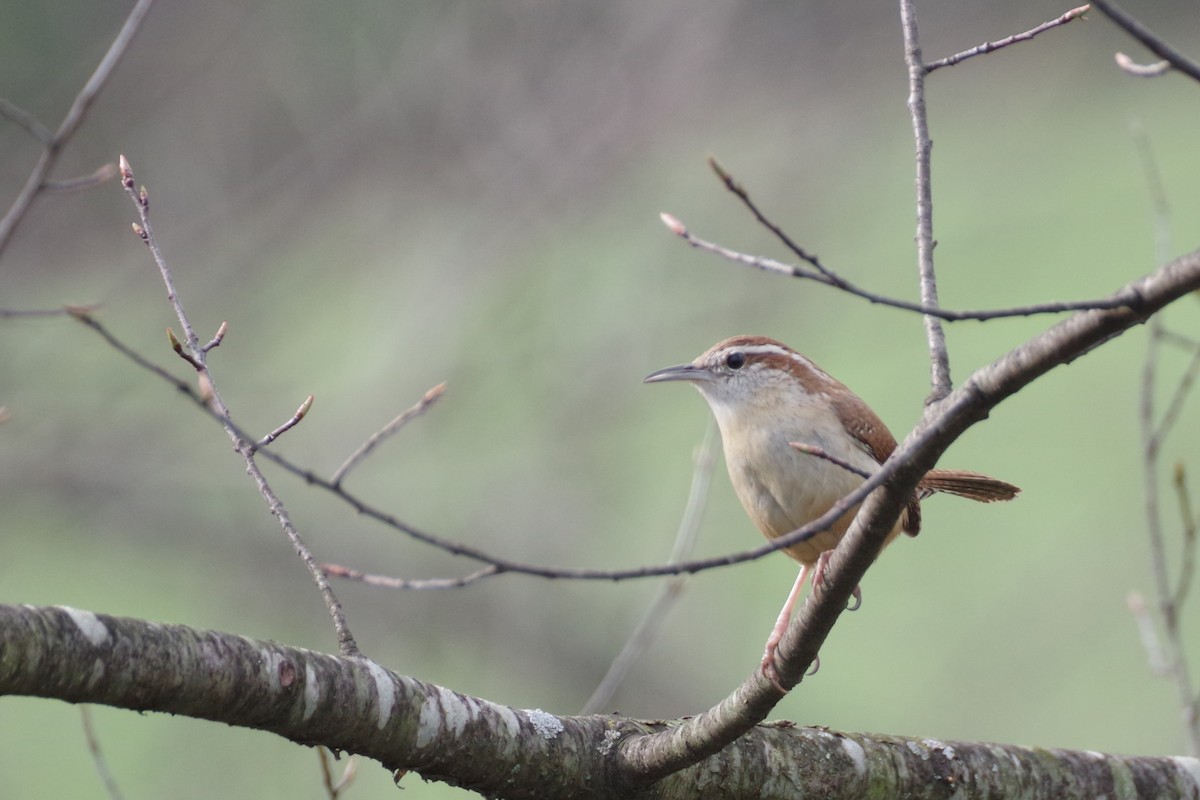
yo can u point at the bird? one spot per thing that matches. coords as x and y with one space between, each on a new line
796 441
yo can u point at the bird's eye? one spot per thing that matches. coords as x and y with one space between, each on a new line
735 360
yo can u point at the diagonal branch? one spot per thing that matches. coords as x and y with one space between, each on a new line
53 148
988 47
1153 42
828 277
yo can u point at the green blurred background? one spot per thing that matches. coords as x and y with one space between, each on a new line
381 196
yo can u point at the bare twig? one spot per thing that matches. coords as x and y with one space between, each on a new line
988 47
1146 632
1175 405
392 427
29 122
740 192
177 345
1157 69
685 537
301 412
210 398
65 311
333 789
1169 650
98 759
1153 42
830 278
813 450
103 174
417 584
218 337
53 147
1187 557
939 357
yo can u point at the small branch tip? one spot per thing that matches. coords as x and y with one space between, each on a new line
1130 66
218 337
434 393
673 225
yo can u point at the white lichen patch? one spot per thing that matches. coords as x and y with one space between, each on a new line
312 694
858 756
611 738
385 690
88 623
512 724
1189 765
547 725
442 713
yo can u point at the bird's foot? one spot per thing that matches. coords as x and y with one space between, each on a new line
819 579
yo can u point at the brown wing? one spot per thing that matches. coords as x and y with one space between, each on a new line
865 426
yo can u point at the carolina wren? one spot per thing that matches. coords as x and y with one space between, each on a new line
767 398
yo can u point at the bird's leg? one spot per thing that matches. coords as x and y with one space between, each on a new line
785 615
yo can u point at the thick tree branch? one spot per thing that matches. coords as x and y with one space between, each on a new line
353 705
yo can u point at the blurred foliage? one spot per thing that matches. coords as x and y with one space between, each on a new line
381 196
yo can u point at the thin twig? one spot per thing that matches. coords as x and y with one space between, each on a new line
98 759
53 148
103 174
740 192
1187 557
333 790
988 47
210 398
301 412
18 115
1175 405
218 337
1170 650
415 584
1122 300
392 427
939 357
65 311
1146 632
685 537
1155 70
1153 42
813 450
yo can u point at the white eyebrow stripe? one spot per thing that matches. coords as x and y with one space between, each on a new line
773 349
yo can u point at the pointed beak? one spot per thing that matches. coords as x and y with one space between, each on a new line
682 372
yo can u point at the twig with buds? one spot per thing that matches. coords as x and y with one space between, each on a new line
675 226
988 47
428 399
207 395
